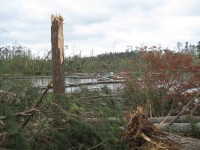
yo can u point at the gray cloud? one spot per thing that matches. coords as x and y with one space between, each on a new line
190 9
3 30
99 23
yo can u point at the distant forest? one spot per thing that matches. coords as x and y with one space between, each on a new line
17 60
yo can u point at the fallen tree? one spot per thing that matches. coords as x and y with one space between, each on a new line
181 119
179 127
140 133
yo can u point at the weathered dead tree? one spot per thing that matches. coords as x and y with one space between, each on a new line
57 54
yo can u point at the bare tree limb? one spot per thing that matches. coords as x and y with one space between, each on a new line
24 113
37 103
184 108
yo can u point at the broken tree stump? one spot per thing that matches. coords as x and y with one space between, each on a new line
57 54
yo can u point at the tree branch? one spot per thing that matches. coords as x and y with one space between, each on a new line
184 108
37 103
24 113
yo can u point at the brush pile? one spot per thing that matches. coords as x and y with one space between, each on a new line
141 134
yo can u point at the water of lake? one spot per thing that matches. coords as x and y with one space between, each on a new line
42 82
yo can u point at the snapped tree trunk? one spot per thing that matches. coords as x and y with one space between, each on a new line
57 54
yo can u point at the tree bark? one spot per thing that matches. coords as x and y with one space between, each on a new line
185 143
181 119
179 127
57 54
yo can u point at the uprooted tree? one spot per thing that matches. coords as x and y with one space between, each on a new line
140 133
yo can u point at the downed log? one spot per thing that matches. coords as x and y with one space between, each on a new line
179 127
99 120
91 83
95 97
176 127
84 77
181 119
185 143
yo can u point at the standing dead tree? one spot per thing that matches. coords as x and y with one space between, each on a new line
57 54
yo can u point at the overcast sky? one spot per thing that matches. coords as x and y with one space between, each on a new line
100 25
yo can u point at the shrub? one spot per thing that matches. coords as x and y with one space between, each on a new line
165 78
27 71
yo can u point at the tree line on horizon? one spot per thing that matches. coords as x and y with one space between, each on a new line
18 60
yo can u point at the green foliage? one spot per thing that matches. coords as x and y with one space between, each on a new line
18 141
195 129
101 63
72 131
78 134
17 96
27 71
67 121
59 124
24 65
121 61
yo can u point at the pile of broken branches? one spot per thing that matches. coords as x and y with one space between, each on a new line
142 134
